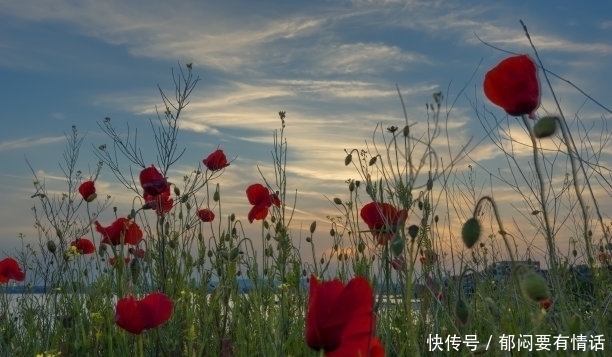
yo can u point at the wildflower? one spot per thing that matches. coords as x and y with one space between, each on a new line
340 319
83 246
88 191
10 269
161 203
138 253
122 228
216 161
513 85
261 199
153 182
206 215
383 220
136 316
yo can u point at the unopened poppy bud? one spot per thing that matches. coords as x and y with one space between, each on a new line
266 225
332 232
51 247
397 244
216 196
337 201
352 186
413 231
372 160
209 253
177 191
361 246
348 159
135 268
234 254
545 127
534 287
102 250
470 232
406 131
232 217
322 261
313 227
462 312
308 239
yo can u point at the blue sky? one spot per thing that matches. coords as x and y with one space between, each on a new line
331 65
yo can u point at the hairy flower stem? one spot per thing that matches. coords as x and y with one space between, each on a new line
572 151
502 231
550 241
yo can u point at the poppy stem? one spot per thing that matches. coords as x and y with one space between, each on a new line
502 231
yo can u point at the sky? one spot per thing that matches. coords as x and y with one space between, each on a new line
333 66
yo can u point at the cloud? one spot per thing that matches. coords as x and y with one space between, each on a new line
29 142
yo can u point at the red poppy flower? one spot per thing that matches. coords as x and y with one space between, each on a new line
136 316
339 318
545 304
206 215
88 191
84 246
161 203
10 269
383 219
604 257
216 161
153 182
261 199
513 85
121 228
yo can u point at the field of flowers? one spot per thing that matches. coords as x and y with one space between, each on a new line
162 278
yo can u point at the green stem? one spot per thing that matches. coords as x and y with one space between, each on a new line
502 231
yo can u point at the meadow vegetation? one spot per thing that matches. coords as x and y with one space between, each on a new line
166 276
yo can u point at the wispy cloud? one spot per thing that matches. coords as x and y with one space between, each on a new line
29 142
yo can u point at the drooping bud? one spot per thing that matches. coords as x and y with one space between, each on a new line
348 159
545 127
470 232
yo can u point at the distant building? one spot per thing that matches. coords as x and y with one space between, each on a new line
503 269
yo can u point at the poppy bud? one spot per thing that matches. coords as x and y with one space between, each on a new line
406 131
545 127
216 196
397 244
348 159
352 186
470 232
332 232
234 254
361 246
372 160
337 201
135 268
413 231
308 239
51 247
313 227
534 287
462 312
177 191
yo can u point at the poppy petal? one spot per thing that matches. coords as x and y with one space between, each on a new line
257 193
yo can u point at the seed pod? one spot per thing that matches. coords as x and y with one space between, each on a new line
545 127
470 232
